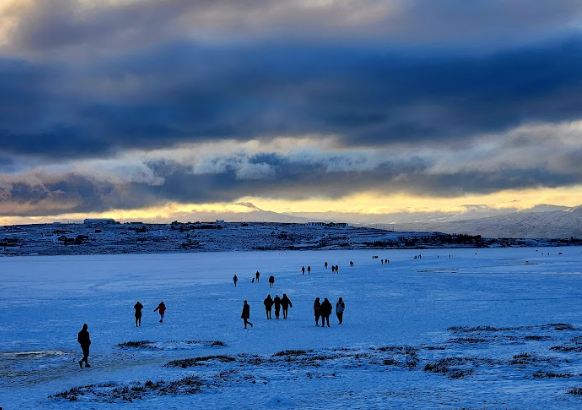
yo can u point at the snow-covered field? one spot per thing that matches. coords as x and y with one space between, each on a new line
414 333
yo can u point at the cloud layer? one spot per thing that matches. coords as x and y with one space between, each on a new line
127 104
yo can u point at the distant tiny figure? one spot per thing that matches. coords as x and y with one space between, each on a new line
352 264
246 314
303 270
326 309
420 256
316 311
340 306
382 261
257 276
336 269
286 303
235 280
325 264
277 302
162 309
309 270
271 281
138 307
253 280
85 342
268 302
387 260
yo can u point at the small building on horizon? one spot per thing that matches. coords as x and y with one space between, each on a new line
99 221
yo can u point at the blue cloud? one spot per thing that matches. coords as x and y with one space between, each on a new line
365 96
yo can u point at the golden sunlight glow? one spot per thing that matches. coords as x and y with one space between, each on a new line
367 203
373 203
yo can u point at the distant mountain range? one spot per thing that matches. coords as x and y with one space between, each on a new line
541 221
564 223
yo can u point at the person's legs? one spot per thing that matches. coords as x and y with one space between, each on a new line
85 356
316 320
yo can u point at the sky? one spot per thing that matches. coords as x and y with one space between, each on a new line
149 109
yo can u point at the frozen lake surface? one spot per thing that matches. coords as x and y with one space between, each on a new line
409 338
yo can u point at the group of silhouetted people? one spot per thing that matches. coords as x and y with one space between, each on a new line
323 310
279 303
161 309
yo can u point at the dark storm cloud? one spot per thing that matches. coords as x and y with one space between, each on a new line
189 93
290 179
56 25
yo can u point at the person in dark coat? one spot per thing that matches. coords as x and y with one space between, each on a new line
138 307
286 303
271 280
268 302
277 302
340 306
257 276
162 309
309 270
303 270
325 264
352 264
317 311
326 309
246 314
235 280
85 342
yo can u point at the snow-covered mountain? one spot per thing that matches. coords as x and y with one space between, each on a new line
541 221
564 223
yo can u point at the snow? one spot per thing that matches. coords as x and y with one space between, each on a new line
404 322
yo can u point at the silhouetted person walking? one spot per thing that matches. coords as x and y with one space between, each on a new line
326 309
316 311
271 281
268 302
309 270
303 270
85 342
235 280
340 306
286 303
162 309
325 264
277 302
257 276
138 307
246 314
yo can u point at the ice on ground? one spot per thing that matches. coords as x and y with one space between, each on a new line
480 330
